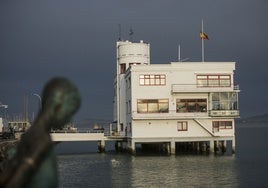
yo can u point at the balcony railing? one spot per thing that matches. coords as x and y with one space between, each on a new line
221 113
172 114
175 115
180 88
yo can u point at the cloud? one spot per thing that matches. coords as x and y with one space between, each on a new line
76 39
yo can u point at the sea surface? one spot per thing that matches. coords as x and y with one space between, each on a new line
80 165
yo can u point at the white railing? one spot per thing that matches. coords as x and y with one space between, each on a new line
172 114
220 113
180 88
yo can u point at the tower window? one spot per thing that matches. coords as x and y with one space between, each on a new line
122 68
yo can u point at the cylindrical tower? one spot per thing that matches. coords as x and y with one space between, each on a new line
128 54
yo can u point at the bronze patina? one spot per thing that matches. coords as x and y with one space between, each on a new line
34 162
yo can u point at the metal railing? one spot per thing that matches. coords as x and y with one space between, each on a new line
177 88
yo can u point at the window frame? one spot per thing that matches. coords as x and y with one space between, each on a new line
213 80
182 126
145 106
123 68
224 101
222 125
152 80
188 104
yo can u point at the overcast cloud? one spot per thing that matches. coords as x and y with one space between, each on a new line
76 39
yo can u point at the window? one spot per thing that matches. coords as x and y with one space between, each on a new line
191 105
122 68
152 80
224 101
182 126
213 80
217 125
152 105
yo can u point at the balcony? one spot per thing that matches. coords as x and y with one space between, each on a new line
224 113
193 88
171 115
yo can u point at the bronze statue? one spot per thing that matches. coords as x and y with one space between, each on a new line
34 162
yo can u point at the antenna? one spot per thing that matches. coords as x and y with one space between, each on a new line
119 32
179 55
131 32
203 49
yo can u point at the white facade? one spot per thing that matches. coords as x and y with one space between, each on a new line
175 102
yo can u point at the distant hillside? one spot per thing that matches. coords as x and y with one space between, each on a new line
258 118
254 121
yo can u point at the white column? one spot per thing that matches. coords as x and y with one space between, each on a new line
172 147
211 146
233 145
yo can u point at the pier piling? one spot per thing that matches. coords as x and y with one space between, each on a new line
211 146
233 146
101 146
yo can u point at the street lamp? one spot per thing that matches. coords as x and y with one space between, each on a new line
40 99
5 107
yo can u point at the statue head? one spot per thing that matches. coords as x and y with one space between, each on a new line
60 100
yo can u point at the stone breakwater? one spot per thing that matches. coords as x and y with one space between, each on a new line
7 150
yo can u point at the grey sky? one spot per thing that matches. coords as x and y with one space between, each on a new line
76 39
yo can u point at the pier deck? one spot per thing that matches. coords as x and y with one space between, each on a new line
64 137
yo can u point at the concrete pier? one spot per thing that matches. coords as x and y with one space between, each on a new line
171 146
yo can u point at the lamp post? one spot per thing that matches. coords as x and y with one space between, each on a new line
5 107
40 99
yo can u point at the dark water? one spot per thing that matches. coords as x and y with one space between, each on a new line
247 168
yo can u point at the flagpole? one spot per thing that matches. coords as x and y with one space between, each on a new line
202 41
179 53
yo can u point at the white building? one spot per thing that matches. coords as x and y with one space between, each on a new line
179 102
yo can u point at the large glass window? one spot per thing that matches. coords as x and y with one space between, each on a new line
152 80
191 105
152 105
224 101
213 80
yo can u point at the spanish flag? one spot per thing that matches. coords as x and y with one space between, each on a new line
203 35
